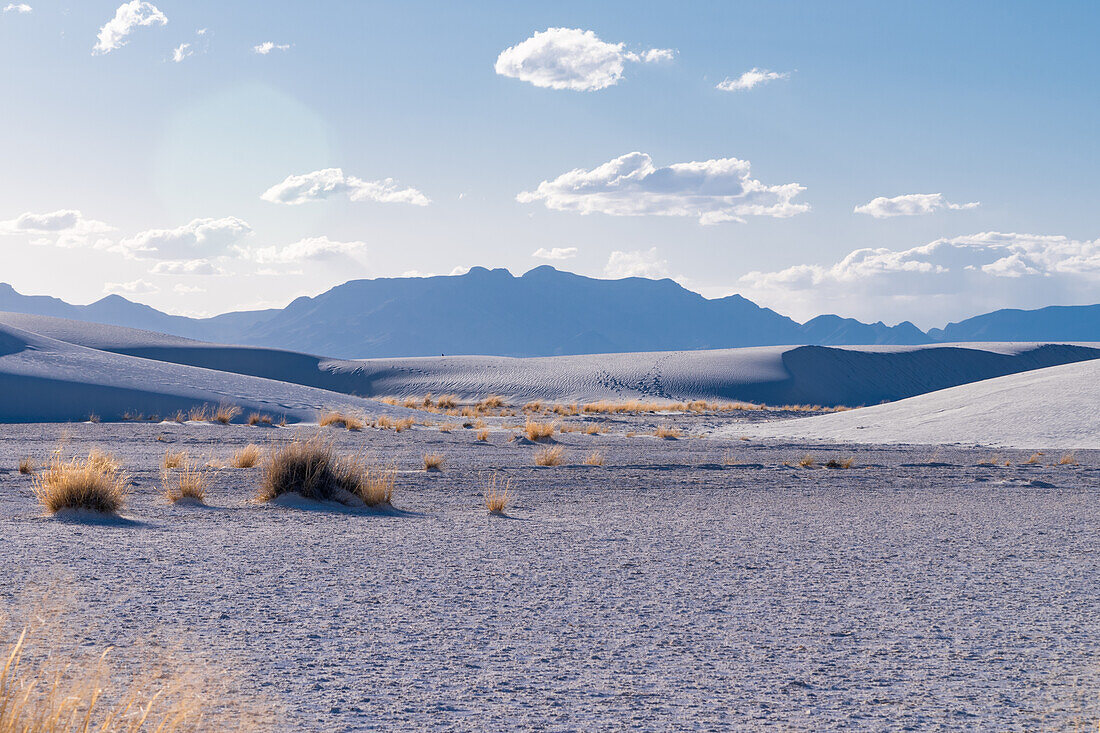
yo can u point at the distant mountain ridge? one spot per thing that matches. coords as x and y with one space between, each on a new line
544 312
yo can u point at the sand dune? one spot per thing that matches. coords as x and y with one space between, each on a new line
44 379
1056 407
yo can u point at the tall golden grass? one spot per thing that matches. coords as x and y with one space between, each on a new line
173 459
187 481
225 413
595 458
537 431
1067 459
340 419
26 465
497 493
550 456
667 432
246 457
96 484
433 461
312 470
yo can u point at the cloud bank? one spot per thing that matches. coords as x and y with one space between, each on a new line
311 249
62 228
637 263
912 204
750 79
131 15
329 182
571 58
193 240
557 253
17 8
712 191
943 280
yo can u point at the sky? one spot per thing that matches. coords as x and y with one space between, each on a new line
886 161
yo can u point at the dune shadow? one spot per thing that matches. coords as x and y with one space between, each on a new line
97 519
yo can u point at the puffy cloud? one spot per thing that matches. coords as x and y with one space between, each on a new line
136 287
62 228
17 8
638 263
712 191
181 52
267 47
912 204
186 267
310 249
331 182
187 289
200 236
129 16
936 282
557 253
750 79
571 58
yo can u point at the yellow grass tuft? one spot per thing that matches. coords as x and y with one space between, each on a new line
26 466
96 484
550 456
538 430
258 419
225 413
371 484
841 463
311 470
93 418
492 402
729 459
340 419
1067 459
246 457
199 414
807 461
533 406
403 424
447 402
1035 458
592 429
433 461
483 436
595 458
667 432
187 482
497 493
173 459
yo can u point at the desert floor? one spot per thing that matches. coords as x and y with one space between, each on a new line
687 583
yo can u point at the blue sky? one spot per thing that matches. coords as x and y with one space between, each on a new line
168 162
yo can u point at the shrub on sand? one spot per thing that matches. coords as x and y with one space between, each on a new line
199 414
592 429
433 461
497 493
549 456
96 484
173 459
447 402
340 419
371 484
257 418
311 470
841 463
483 436
186 482
246 457
1034 459
26 466
595 458
807 461
225 413
1067 459
537 431
667 432
403 424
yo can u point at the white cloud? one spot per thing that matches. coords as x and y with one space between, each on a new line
638 263
186 267
455 271
310 249
17 8
135 287
571 58
181 52
267 47
129 16
712 191
936 282
62 228
557 253
913 204
332 181
750 79
187 289
200 236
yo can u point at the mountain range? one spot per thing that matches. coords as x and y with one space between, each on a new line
544 312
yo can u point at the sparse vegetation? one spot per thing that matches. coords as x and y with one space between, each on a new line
841 462
256 418
497 493
447 402
592 429
1035 458
537 431
311 470
483 436
199 413
403 424
595 458
172 459
1067 459
188 481
225 413
807 461
433 461
550 456
26 466
96 484
246 457
667 432
340 419
371 484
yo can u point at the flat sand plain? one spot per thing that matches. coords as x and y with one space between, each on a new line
665 589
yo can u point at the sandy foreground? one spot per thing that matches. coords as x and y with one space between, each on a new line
664 589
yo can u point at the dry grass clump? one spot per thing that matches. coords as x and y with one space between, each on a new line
483 436
492 402
447 402
433 461
592 429
187 482
537 431
1067 459
550 456
225 413
595 458
497 493
667 432
246 457
533 406
841 463
806 461
257 419
173 459
729 459
340 419
995 461
199 414
26 466
1034 459
96 484
93 418
311 470
403 424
